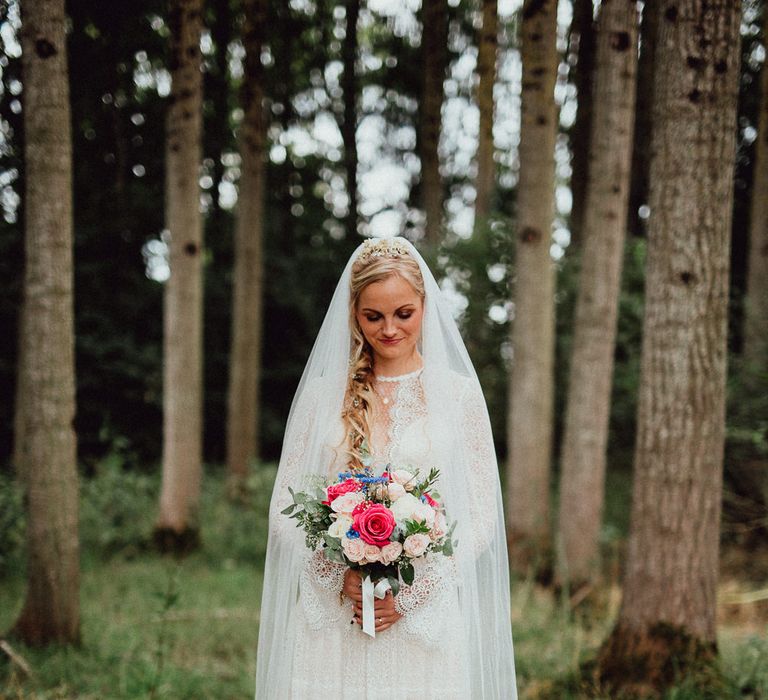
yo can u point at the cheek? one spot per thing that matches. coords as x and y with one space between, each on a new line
413 324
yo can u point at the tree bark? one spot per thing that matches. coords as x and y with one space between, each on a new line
349 126
46 449
177 527
583 34
667 615
248 286
531 383
641 153
434 39
486 70
756 302
582 472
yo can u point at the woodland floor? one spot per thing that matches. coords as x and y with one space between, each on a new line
153 628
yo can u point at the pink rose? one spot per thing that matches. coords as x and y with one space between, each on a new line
416 545
335 490
390 552
354 549
440 528
375 524
395 491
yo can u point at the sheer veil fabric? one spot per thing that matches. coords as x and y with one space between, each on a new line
461 447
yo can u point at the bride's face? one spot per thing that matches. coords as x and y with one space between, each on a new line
389 313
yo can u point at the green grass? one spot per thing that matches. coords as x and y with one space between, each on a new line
155 628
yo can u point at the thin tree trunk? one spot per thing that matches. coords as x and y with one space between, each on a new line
667 615
434 41
248 287
177 527
486 70
641 153
349 127
531 383
756 301
582 471
583 33
46 449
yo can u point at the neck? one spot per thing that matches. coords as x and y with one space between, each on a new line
395 367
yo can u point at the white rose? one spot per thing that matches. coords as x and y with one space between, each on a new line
346 502
390 552
404 478
416 545
395 491
404 507
372 553
340 526
424 513
354 549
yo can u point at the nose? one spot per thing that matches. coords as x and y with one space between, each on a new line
389 329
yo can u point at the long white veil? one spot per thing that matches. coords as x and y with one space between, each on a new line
460 434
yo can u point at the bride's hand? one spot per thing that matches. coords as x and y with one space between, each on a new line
384 612
353 586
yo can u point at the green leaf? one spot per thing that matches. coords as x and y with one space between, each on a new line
289 509
395 584
406 571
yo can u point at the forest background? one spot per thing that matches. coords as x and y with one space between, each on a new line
327 140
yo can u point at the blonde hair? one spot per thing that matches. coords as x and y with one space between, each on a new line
356 414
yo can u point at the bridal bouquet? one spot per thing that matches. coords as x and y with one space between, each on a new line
376 524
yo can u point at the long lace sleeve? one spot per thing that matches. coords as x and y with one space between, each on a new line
423 604
321 583
483 470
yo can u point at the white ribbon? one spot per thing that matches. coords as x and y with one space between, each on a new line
369 592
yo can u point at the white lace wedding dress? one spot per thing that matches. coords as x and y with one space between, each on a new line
423 654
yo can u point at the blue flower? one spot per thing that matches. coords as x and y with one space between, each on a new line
352 534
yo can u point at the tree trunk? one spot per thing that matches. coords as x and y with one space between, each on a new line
756 301
582 472
45 443
248 286
434 39
486 70
667 616
583 34
641 153
349 127
177 527
531 382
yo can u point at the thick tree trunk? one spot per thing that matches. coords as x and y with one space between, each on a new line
756 302
582 471
248 286
177 527
486 70
667 616
349 127
529 431
434 41
583 35
45 441
641 153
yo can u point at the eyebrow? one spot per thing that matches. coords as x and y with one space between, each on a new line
399 308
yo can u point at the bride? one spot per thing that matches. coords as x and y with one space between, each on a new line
389 375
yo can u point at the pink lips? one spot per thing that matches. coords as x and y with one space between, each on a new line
393 341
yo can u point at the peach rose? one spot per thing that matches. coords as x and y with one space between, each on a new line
416 545
404 478
346 502
391 552
395 491
372 553
354 549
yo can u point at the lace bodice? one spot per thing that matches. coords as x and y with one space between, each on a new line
399 434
